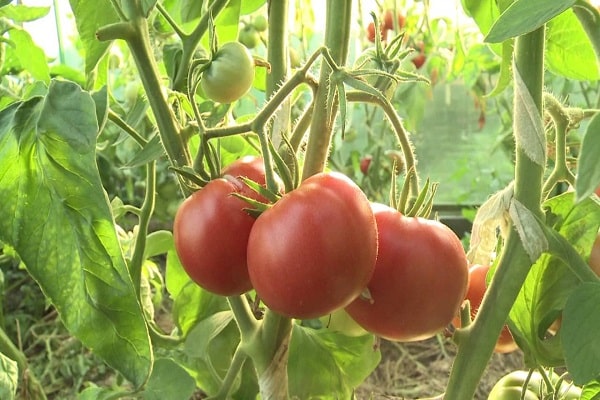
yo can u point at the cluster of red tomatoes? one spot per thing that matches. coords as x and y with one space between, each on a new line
320 248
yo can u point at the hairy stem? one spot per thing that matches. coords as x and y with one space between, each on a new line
337 35
476 343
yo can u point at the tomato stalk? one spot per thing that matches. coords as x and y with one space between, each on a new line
135 33
403 140
337 37
146 211
476 342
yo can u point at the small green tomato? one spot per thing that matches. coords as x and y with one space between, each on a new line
230 73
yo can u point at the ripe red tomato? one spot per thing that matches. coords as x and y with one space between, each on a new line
371 32
419 282
314 251
365 163
388 20
250 167
419 60
211 234
598 191
475 292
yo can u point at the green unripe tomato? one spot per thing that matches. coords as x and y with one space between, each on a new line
260 23
511 393
249 37
230 73
511 386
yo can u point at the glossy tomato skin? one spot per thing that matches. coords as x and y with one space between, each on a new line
211 233
251 167
475 293
419 282
314 251
230 74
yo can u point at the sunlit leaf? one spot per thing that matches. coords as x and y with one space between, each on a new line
22 13
568 50
524 16
31 56
9 378
57 217
588 173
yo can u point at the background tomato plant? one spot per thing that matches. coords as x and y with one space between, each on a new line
97 155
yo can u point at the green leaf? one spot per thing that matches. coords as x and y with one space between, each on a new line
591 391
147 6
30 56
89 16
191 303
101 100
249 6
327 365
169 380
9 378
524 16
57 217
588 173
569 52
551 281
158 242
580 327
209 349
152 151
21 13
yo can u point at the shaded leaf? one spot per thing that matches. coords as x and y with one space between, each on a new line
89 16
580 326
169 380
322 362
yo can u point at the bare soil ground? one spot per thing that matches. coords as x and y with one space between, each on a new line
420 370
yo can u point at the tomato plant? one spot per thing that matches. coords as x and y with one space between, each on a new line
314 251
94 150
230 73
475 293
415 256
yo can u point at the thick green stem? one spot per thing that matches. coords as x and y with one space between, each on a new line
278 45
337 35
137 260
476 343
135 33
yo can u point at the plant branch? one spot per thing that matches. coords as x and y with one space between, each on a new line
337 36
476 343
